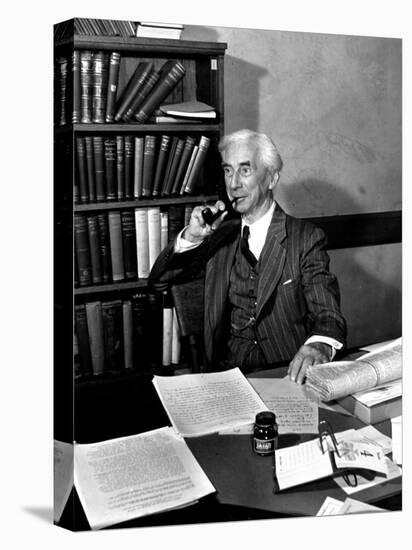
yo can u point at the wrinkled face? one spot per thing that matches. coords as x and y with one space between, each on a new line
247 180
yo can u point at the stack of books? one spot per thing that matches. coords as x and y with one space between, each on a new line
146 29
94 27
184 112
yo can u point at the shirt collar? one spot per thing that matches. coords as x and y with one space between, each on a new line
262 224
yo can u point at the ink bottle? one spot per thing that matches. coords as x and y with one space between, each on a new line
265 433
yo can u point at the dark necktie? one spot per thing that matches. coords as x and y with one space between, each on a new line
244 247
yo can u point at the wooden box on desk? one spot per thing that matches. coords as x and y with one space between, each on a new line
375 413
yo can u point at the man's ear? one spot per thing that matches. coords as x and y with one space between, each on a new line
274 180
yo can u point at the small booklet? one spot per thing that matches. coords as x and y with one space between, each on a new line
341 378
191 109
129 477
333 507
200 404
317 459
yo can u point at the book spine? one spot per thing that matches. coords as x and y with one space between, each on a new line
62 65
154 335
82 170
149 152
176 220
116 245
160 92
86 86
99 69
183 164
142 243
141 94
94 243
99 174
188 213
140 345
120 167
175 355
189 169
127 334
169 164
76 356
129 166
167 331
199 160
96 336
169 184
81 237
138 167
113 335
154 232
164 228
83 340
110 169
90 168
138 78
161 164
112 83
76 113
105 257
129 244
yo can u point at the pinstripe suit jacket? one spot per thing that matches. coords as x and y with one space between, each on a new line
297 295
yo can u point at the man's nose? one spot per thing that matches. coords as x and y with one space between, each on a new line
234 180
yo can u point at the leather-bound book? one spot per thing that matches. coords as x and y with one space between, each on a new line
99 174
99 71
149 153
113 335
96 336
161 164
76 111
129 244
116 245
94 244
120 167
110 169
91 184
128 167
81 238
136 81
86 86
105 257
82 170
112 83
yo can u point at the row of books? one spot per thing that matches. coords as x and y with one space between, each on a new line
122 245
114 336
94 27
132 167
94 78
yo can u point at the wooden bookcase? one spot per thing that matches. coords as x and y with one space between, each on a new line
206 63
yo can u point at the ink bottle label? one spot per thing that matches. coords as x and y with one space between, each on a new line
265 434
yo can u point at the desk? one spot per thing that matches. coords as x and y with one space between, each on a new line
243 480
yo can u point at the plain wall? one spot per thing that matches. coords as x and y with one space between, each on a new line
333 106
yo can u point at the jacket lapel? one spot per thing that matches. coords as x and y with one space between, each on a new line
272 258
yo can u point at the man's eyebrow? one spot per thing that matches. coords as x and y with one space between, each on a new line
244 163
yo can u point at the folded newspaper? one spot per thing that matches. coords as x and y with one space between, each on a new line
342 378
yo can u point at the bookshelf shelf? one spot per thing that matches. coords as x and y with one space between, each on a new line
100 228
148 45
141 203
131 128
112 287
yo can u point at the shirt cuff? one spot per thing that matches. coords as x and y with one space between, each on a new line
334 344
182 245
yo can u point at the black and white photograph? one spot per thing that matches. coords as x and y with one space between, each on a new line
222 315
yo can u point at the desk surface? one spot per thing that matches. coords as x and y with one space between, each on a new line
243 481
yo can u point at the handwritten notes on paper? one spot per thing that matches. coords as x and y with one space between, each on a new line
199 404
295 412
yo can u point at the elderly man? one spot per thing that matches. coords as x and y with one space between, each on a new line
269 294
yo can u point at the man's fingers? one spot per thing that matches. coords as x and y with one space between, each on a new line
307 362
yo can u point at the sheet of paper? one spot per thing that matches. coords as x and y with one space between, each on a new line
379 346
330 507
63 476
199 404
393 472
360 455
133 476
372 436
295 412
352 506
397 439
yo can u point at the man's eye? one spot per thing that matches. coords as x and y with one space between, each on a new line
245 171
228 172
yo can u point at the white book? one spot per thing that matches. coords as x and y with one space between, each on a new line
167 336
154 232
164 229
142 243
175 339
